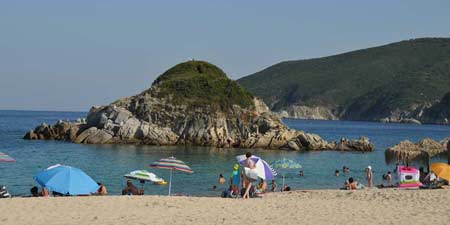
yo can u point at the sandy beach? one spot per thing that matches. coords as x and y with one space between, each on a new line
300 207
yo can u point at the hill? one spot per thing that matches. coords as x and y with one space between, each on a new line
192 103
393 82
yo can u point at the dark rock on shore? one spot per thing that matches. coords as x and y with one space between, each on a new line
193 103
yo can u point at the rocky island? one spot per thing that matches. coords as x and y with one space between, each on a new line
193 103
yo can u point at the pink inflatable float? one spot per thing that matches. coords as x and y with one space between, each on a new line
409 177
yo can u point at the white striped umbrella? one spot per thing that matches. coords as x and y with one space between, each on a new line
171 163
6 158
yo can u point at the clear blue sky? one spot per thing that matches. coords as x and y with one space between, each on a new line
69 55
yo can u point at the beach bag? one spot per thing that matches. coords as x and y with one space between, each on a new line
251 174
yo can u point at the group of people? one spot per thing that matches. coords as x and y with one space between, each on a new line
248 175
353 184
46 193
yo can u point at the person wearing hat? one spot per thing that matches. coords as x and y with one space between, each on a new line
369 176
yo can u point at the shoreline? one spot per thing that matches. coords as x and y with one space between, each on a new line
371 206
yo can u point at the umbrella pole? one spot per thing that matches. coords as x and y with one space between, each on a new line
170 181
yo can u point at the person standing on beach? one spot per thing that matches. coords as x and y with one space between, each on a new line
369 176
248 175
274 186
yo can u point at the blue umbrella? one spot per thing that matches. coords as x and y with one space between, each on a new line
66 180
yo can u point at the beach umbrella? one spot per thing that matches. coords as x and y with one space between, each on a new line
441 170
262 168
407 151
172 164
143 176
6 158
66 180
286 164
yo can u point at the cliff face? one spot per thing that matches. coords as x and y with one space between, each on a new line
438 113
192 103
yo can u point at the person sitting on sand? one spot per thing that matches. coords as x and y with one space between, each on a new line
388 178
286 188
336 173
249 174
102 189
221 179
422 175
45 192
262 187
352 184
130 189
34 191
274 186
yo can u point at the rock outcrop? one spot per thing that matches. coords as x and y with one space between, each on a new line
438 113
193 103
311 113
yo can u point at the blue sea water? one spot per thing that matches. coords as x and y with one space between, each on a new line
108 163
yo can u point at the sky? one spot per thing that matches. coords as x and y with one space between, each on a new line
71 55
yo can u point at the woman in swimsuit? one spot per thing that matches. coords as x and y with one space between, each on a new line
248 163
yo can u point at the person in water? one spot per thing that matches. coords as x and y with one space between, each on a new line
130 189
336 173
221 179
102 189
248 174
301 173
369 176
345 169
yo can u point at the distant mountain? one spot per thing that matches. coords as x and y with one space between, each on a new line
393 83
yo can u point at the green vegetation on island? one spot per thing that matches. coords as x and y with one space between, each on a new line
394 80
199 83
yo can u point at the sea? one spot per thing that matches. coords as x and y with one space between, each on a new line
109 163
